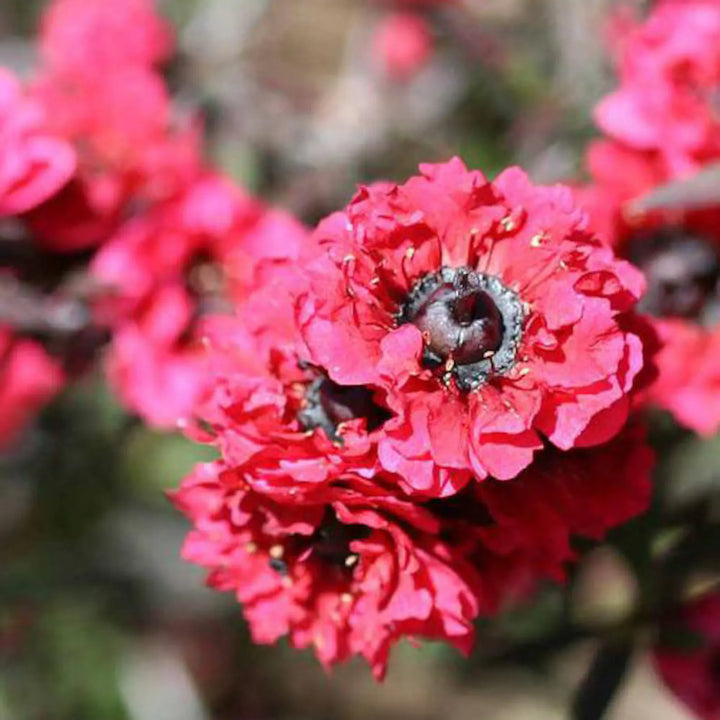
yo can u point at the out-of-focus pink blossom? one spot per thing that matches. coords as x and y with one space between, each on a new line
34 162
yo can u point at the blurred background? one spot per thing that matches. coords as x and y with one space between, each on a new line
302 99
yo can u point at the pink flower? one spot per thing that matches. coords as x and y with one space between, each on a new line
679 253
34 164
81 37
667 101
126 157
402 44
168 269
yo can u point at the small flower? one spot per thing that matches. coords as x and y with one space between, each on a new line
86 36
29 379
402 43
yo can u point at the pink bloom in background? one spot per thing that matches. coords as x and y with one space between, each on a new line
402 44
667 101
34 163
679 253
692 669
101 90
165 271
29 379
487 314
147 155
93 36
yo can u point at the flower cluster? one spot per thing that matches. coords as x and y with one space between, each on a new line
417 414
418 406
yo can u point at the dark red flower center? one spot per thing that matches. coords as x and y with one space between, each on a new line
327 405
329 545
471 323
682 272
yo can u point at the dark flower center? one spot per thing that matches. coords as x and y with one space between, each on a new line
327 405
331 541
328 545
471 323
682 272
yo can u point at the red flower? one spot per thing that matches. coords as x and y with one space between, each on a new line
29 379
34 164
693 673
669 75
169 268
402 44
486 312
349 566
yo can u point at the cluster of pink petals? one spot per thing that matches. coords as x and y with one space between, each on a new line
349 566
78 37
402 44
99 61
667 101
692 670
580 350
662 123
96 158
688 376
169 268
34 164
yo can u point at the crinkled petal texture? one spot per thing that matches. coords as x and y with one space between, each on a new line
350 566
29 379
693 673
34 164
347 572
669 75
576 357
